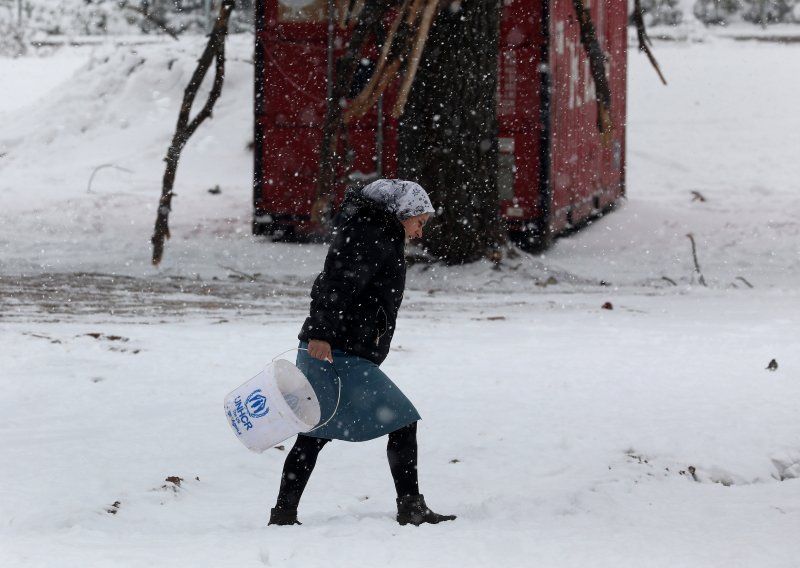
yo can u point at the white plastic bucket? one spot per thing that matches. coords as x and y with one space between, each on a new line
276 404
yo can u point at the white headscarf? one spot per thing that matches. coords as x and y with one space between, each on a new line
403 198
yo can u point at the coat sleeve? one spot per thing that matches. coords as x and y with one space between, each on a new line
356 254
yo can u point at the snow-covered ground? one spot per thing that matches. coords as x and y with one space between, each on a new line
561 433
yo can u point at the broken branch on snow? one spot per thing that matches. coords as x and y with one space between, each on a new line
101 167
696 263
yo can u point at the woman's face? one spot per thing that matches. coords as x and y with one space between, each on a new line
413 225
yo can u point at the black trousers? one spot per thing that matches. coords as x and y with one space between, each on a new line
401 450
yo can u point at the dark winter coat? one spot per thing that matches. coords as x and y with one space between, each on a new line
354 301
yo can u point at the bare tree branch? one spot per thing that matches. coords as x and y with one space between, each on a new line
404 43
414 58
215 48
159 23
644 39
597 66
361 103
368 23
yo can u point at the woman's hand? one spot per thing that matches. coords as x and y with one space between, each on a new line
321 350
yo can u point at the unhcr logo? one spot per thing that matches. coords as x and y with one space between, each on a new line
256 404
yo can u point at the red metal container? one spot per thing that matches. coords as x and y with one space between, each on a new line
555 171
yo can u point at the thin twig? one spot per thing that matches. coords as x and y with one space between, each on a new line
644 40
252 277
696 263
159 23
742 278
101 167
670 280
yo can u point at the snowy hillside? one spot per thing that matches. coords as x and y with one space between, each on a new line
562 434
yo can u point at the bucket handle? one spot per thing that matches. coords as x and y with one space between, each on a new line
338 397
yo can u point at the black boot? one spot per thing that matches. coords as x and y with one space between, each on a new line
296 471
413 510
283 517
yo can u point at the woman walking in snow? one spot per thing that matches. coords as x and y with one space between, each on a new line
354 304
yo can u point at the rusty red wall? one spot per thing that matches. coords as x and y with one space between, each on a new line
554 169
523 40
291 87
586 173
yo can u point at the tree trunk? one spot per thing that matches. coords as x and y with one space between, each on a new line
448 133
